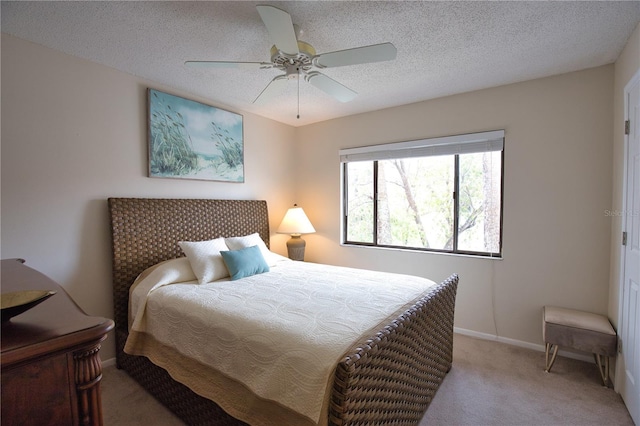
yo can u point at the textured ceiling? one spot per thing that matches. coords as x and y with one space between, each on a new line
444 48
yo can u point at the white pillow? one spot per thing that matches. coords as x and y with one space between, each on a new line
205 258
237 243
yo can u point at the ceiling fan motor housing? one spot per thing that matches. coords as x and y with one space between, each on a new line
294 64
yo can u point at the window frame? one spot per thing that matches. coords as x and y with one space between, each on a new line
424 144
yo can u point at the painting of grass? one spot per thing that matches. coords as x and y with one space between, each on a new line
191 140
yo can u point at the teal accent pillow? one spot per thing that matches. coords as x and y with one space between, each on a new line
244 262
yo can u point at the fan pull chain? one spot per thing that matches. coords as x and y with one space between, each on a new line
298 116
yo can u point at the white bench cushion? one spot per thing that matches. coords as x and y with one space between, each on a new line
578 319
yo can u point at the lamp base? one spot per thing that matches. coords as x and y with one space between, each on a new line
295 248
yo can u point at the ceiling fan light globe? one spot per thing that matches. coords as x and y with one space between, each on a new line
306 48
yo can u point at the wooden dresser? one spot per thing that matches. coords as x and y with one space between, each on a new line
50 361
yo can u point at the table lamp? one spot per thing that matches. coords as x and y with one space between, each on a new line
296 223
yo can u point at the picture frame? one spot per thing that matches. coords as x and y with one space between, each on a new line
192 140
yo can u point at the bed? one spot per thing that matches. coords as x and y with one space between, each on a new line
386 376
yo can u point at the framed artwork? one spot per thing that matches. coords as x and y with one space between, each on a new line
191 140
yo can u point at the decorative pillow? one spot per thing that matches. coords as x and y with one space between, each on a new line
205 259
244 262
237 243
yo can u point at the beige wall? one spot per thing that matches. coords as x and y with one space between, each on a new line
73 134
627 65
558 153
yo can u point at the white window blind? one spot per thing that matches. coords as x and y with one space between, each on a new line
448 145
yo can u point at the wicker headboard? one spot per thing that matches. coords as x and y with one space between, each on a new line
146 231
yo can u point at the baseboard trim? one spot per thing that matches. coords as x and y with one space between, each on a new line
522 344
484 336
109 362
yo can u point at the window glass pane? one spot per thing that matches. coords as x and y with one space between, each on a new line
479 202
415 202
359 202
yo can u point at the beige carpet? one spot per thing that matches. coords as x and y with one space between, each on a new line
490 384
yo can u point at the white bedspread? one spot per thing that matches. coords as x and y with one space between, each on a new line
280 333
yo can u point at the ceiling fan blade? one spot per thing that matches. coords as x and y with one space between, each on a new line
273 89
224 64
280 28
357 55
330 86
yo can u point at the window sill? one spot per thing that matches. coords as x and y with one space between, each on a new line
411 250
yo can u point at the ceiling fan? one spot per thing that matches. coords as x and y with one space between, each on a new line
298 59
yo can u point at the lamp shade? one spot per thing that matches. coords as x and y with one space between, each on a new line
295 222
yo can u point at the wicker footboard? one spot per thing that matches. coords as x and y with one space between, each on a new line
392 377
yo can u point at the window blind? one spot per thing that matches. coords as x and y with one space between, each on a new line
448 145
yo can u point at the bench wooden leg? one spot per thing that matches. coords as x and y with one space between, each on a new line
548 363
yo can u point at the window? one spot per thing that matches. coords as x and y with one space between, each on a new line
442 194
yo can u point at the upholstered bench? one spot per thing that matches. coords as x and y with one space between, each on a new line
583 331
